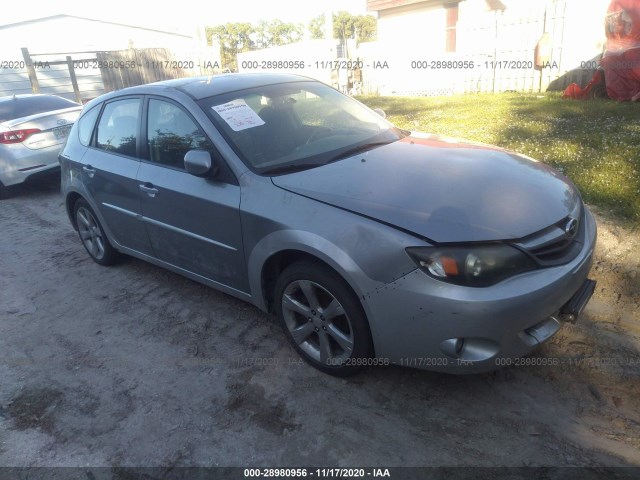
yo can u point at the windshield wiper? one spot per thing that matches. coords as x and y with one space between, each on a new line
290 167
296 167
358 149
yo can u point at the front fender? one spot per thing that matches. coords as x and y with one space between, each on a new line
311 244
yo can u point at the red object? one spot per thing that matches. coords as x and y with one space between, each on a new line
621 61
622 25
574 91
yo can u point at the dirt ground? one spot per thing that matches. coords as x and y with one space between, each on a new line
136 366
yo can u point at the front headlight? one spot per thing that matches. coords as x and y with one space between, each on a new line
472 266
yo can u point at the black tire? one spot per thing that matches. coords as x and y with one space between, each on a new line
332 330
92 235
599 91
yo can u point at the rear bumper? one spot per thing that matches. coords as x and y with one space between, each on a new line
416 320
34 174
19 164
46 172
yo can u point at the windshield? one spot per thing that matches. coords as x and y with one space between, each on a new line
297 125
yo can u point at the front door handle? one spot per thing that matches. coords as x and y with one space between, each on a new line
149 189
89 170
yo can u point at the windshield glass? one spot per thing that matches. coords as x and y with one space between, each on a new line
292 126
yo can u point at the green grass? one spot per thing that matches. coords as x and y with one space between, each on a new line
596 143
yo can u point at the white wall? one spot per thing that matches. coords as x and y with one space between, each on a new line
584 36
406 35
423 29
575 27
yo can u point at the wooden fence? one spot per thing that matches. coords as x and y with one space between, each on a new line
58 73
127 68
81 76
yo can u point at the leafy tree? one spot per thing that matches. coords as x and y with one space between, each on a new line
363 28
261 34
281 33
366 28
343 25
233 39
316 27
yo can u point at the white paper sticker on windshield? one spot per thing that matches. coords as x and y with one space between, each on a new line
238 115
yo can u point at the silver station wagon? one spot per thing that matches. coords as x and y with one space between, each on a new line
372 245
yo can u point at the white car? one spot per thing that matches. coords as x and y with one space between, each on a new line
33 129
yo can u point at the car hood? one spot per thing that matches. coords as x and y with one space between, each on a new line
442 189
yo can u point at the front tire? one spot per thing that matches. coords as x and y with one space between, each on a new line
322 318
92 235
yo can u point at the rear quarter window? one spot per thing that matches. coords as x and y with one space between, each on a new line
86 124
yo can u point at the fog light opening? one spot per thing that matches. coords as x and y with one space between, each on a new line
470 348
453 347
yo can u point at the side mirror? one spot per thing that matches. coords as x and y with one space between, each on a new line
380 112
199 163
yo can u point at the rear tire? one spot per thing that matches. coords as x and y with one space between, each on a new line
323 319
92 235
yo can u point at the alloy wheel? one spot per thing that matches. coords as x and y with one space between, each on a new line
90 233
317 322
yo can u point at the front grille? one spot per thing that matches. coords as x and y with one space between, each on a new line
559 243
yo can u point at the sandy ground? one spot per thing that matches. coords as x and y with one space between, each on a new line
136 366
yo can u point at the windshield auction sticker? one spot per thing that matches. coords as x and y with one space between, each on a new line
238 115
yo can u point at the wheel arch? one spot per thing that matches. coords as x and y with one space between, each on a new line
70 201
72 196
275 265
279 261
278 250
281 248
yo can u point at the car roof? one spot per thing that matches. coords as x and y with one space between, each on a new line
203 87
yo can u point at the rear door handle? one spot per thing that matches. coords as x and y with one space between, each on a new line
90 170
149 189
